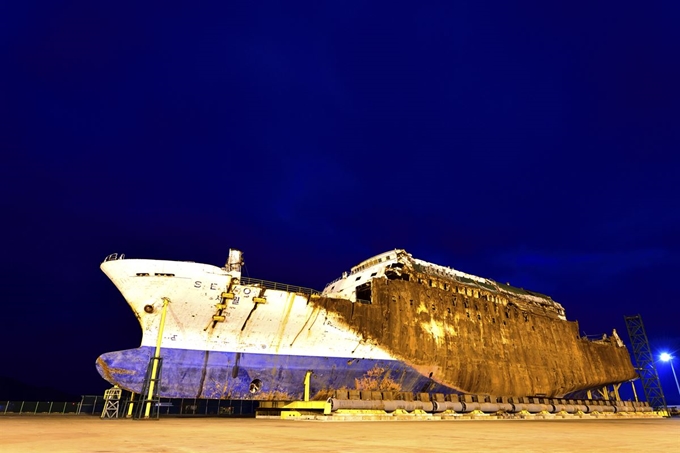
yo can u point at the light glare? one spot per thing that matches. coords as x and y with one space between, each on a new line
665 356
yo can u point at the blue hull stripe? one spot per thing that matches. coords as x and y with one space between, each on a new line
204 374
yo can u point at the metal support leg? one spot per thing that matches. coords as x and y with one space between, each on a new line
308 376
157 353
131 405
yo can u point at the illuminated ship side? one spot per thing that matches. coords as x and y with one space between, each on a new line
392 323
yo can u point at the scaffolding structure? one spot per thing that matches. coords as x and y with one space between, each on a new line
644 363
112 406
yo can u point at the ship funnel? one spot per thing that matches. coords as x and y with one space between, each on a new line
235 260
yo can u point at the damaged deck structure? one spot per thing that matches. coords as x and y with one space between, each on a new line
475 335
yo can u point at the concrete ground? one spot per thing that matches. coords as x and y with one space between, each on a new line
57 434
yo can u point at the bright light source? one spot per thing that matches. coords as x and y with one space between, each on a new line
665 356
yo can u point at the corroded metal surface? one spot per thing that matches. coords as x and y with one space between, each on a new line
464 340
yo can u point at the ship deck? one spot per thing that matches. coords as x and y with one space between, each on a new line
57 434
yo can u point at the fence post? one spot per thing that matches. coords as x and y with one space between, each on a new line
22 407
6 406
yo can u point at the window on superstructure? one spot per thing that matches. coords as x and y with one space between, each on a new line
357 279
364 293
374 274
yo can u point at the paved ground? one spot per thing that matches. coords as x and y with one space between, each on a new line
57 434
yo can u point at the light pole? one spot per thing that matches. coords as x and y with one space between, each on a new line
666 357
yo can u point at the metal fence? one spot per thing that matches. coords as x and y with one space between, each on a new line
94 405
38 407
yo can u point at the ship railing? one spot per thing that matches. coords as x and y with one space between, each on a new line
280 286
114 257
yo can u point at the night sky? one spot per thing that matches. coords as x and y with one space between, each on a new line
526 142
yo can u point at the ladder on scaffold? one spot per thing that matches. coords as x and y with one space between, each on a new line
147 407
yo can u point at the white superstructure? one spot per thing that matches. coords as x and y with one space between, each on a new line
355 284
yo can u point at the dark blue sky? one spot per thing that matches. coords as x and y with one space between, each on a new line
521 141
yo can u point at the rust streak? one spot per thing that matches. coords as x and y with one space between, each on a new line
283 323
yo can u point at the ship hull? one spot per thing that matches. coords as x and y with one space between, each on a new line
461 338
231 375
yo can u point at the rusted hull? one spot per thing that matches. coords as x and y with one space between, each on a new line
476 346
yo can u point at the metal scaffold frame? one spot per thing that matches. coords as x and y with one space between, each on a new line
644 363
